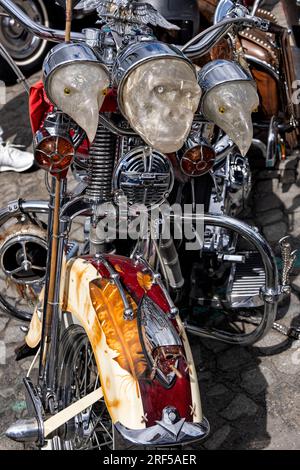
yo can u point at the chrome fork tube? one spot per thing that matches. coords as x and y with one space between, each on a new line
47 360
56 319
68 211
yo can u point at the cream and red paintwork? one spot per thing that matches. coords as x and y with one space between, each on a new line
132 397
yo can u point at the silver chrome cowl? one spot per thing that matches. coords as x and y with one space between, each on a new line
220 71
139 53
170 430
67 53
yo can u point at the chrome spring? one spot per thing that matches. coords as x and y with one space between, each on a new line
101 165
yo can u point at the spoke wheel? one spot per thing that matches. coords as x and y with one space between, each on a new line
78 376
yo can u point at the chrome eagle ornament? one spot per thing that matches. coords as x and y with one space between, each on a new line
126 11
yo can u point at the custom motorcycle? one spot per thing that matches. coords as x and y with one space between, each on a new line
114 359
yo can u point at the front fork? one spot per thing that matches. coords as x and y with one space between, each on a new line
51 314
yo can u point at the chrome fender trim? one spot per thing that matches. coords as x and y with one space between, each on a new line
170 430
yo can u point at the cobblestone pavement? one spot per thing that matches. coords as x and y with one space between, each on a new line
251 396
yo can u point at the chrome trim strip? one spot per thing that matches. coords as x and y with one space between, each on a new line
265 65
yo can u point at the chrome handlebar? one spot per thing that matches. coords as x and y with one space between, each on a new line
196 47
204 41
36 29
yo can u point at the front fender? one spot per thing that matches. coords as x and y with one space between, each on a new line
134 399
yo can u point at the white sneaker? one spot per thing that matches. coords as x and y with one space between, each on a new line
14 159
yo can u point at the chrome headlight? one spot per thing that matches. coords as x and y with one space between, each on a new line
75 81
229 98
158 93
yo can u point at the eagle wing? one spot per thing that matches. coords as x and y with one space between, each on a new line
147 14
102 6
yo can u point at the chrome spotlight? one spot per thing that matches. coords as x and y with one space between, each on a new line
229 98
75 81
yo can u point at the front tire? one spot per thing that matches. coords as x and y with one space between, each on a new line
77 376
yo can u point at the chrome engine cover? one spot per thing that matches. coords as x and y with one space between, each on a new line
145 176
23 254
239 182
232 186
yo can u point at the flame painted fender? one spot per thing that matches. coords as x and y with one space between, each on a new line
134 400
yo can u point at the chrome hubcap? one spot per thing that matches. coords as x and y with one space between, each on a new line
19 43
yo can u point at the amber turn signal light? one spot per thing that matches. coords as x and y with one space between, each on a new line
53 153
198 160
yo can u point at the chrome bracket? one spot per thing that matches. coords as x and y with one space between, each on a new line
14 206
115 279
271 296
156 277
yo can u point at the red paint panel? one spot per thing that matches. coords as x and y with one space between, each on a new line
155 396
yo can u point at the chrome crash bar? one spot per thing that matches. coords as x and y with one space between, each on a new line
19 207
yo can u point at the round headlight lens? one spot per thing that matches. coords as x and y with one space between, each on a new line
160 98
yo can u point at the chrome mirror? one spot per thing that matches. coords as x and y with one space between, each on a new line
224 7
